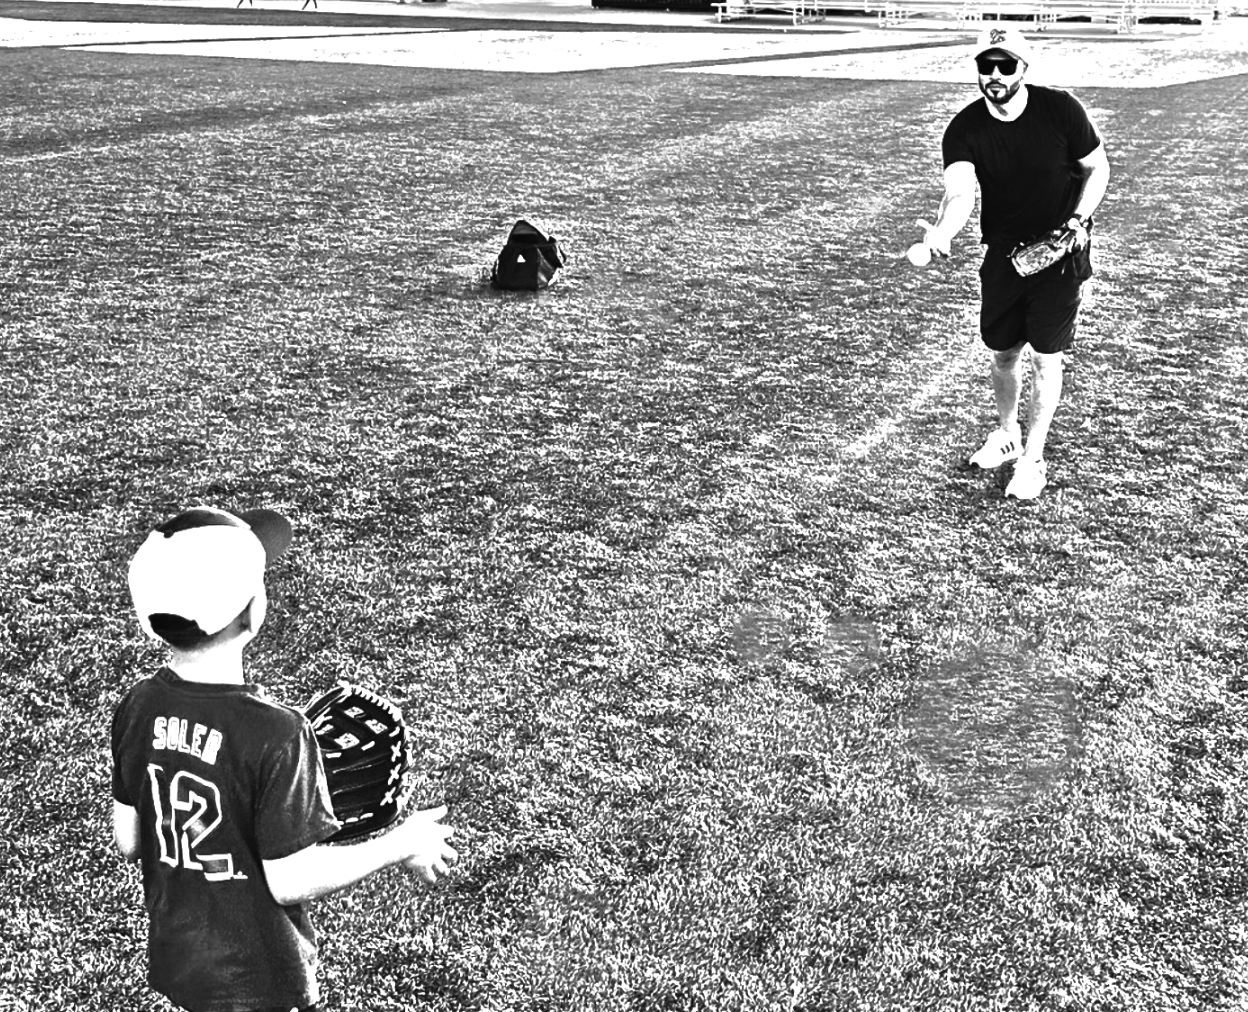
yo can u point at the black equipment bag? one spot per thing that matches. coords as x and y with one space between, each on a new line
530 259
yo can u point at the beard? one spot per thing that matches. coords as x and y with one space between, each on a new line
998 92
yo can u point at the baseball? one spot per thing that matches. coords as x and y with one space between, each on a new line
919 254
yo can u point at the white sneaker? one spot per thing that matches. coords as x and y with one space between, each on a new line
999 448
1030 477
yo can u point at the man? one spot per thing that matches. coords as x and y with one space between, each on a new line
1040 164
219 791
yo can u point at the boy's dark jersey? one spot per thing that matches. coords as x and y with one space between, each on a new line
1028 172
222 778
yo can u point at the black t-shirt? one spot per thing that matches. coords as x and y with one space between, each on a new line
1028 172
222 778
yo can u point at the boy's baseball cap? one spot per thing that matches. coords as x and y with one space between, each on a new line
1006 40
202 568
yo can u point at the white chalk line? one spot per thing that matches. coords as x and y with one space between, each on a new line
940 380
959 361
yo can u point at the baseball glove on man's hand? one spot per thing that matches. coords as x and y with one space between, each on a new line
366 753
1032 257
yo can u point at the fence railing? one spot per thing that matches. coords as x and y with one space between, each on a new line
1122 15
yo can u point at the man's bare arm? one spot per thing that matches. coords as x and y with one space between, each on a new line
955 207
1095 170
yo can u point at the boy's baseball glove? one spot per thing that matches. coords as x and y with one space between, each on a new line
366 753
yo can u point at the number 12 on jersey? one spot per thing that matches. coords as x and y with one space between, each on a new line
188 810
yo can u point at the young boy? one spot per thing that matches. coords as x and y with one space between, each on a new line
219 791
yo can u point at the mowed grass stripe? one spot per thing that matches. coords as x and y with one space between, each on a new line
768 227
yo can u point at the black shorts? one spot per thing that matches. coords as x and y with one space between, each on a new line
1041 310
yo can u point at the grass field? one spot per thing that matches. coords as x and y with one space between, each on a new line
744 694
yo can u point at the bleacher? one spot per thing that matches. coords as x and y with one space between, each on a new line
1037 15
798 11
1034 15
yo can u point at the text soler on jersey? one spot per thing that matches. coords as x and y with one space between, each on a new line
171 733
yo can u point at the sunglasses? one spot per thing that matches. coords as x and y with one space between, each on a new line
1007 65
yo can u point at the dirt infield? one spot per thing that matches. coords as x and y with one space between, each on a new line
477 36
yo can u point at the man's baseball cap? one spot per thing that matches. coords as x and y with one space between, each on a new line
1005 40
196 572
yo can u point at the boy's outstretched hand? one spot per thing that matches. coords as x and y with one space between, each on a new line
419 842
425 840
